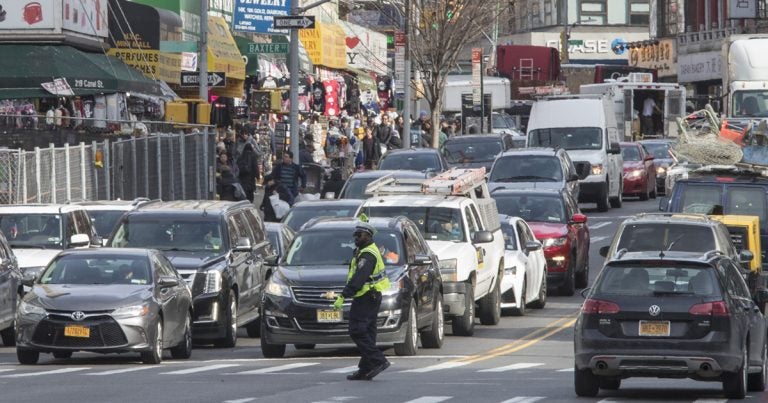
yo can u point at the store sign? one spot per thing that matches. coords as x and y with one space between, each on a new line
28 15
87 17
258 15
58 86
267 48
366 49
223 54
325 45
591 46
221 8
699 67
660 56
742 9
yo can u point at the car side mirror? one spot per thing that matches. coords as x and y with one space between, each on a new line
585 292
531 246
614 148
422 260
28 281
243 245
604 250
79 240
271 260
482 237
746 256
579 218
583 170
664 204
167 281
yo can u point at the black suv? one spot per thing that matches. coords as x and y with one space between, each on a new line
219 248
414 159
670 315
295 311
535 168
476 150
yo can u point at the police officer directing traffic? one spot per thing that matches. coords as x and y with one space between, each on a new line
366 280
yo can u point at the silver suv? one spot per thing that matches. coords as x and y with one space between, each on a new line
535 168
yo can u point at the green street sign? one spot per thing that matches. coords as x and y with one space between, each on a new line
576 42
256 48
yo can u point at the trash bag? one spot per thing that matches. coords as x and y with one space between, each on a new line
281 207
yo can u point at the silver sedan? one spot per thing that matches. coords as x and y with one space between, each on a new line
107 301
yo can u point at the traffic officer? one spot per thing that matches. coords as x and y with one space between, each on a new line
365 282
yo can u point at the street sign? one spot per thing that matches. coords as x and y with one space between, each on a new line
477 55
295 22
216 79
256 48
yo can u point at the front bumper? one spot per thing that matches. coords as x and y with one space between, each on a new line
210 313
591 187
454 297
634 185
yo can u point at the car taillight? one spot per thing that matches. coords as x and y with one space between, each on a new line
717 308
599 306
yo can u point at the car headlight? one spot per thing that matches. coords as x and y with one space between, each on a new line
597 169
131 311
26 308
661 170
636 173
212 281
448 269
394 287
277 288
550 242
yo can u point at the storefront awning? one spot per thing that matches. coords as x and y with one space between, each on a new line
224 56
24 68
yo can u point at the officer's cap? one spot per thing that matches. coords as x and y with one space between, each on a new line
365 227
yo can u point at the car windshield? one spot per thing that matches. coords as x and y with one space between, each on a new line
651 279
701 199
501 122
434 223
170 234
750 104
526 168
98 269
104 221
745 200
299 215
410 162
34 230
630 153
666 237
568 138
658 150
461 152
510 237
336 247
532 208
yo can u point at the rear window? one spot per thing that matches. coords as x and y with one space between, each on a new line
355 188
700 199
300 215
410 162
667 237
526 168
630 153
655 280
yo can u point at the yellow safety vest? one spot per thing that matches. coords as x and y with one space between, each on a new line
378 280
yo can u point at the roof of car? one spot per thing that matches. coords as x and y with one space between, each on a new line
395 173
119 205
628 144
414 200
659 141
683 218
349 223
107 251
39 208
412 151
531 151
527 192
192 206
473 137
328 202
665 256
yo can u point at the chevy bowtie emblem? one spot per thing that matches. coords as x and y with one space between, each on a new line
77 315
328 295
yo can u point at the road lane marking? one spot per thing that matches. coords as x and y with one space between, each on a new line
6 369
52 372
438 367
430 399
565 370
199 369
119 371
244 400
337 399
278 368
601 225
520 365
524 399
596 239
342 370
710 400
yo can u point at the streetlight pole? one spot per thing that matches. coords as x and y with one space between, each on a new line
203 60
564 47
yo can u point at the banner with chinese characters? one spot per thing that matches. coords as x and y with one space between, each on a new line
661 56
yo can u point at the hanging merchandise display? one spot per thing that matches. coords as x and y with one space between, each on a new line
384 87
318 97
332 107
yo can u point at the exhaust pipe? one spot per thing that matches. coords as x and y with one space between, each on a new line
601 365
706 367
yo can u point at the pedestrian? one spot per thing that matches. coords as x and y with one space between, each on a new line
226 181
371 149
386 134
646 118
248 168
289 174
271 187
333 185
366 280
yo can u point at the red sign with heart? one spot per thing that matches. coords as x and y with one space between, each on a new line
352 42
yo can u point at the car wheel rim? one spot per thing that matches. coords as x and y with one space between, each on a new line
233 318
159 340
745 369
414 327
188 334
440 320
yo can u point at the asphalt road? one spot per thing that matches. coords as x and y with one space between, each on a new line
522 360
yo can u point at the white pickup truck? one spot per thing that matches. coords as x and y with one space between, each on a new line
460 223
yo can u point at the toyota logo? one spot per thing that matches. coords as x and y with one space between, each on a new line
77 315
654 310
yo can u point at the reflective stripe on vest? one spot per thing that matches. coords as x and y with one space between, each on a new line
378 279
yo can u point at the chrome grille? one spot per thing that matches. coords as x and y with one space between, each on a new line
104 332
188 276
313 295
578 165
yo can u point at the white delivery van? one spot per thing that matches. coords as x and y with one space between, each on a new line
584 126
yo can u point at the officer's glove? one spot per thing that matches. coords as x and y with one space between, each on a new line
339 303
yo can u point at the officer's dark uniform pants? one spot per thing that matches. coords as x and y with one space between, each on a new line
362 329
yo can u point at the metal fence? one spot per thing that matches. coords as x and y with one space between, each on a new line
162 166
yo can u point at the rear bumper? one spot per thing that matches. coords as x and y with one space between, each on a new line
702 367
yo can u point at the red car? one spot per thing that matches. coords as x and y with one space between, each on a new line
639 171
556 221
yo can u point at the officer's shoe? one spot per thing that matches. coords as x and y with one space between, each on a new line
357 376
376 370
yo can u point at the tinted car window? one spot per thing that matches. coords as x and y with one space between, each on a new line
658 150
412 162
192 234
649 280
568 138
510 239
631 153
98 269
664 237
435 223
355 188
320 248
478 151
532 207
525 168
298 216
104 221
700 199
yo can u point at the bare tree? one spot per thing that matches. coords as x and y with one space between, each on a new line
440 30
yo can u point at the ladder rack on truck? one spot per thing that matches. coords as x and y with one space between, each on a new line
468 182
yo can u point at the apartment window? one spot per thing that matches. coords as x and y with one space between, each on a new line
639 12
594 11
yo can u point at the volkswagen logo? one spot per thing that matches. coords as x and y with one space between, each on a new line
654 310
78 315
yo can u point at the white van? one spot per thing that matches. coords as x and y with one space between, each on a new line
585 126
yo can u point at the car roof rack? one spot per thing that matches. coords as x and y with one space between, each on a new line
469 182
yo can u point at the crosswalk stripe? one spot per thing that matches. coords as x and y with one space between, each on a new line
520 365
601 225
199 369
52 372
278 368
244 400
429 399
524 399
119 371
6 369
342 370
438 367
596 239
565 370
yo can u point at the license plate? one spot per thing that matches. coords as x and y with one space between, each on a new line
328 316
654 328
77 331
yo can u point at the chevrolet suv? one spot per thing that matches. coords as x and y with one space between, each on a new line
218 247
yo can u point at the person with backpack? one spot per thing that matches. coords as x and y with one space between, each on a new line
248 167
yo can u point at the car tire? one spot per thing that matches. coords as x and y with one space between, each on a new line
9 336
610 383
270 350
184 349
27 357
465 325
568 287
585 382
433 338
756 382
602 200
541 300
62 354
617 201
735 383
410 346
521 301
230 337
582 277
254 328
307 346
490 305
155 355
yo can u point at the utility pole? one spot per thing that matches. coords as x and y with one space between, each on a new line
406 135
203 59
564 46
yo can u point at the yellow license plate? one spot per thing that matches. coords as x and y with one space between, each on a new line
654 328
77 331
328 316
